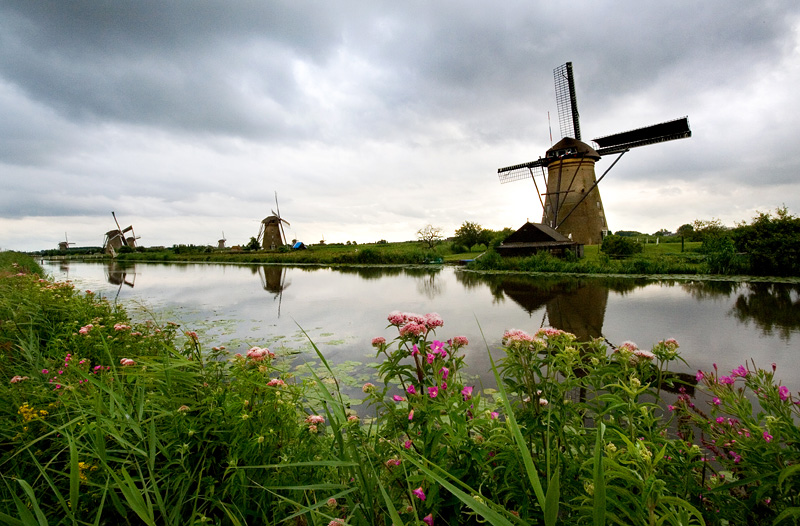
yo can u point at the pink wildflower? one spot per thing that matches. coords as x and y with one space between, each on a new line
767 436
315 419
716 401
726 380
437 346
411 415
85 329
393 462
643 355
493 415
467 392
258 354
17 379
699 376
433 320
460 341
445 372
428 519
720 420
414 350
368 387
377 342
127 361
411 389
276 382
411 328
419 493
628 346
121 327
516 337
433 391
407 444
430 358
739 371
396 318
783 392
45 371
398 398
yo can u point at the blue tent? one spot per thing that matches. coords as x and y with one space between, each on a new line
298 246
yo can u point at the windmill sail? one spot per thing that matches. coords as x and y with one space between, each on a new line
665 131
567 102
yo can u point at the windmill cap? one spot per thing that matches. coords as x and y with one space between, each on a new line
572 147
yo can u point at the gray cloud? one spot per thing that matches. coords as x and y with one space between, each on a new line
354 111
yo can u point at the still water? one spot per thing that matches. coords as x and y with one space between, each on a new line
342 309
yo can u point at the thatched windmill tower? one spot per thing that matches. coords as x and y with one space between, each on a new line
116 239
271 234
572 202
63 246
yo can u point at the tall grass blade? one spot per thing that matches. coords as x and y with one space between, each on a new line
443 478
551 499
599 478
74 475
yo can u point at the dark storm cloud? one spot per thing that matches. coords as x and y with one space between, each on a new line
227 68
191 66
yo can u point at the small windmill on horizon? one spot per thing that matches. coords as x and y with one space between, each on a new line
63 246
572 204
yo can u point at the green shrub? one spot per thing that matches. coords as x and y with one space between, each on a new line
619 246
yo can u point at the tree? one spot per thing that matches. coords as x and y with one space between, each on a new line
772 243
252 244
469 235
430 236
708 229
685 231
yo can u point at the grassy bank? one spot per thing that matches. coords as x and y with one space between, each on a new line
114 423
409 253
663 258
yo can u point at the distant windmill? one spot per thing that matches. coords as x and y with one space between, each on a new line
271 234
221 242
572 202
63 246
116 239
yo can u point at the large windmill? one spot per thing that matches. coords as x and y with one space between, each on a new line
572 202
271 234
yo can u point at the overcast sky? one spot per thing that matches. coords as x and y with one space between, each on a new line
373 119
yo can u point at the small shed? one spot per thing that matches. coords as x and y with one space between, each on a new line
532 238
